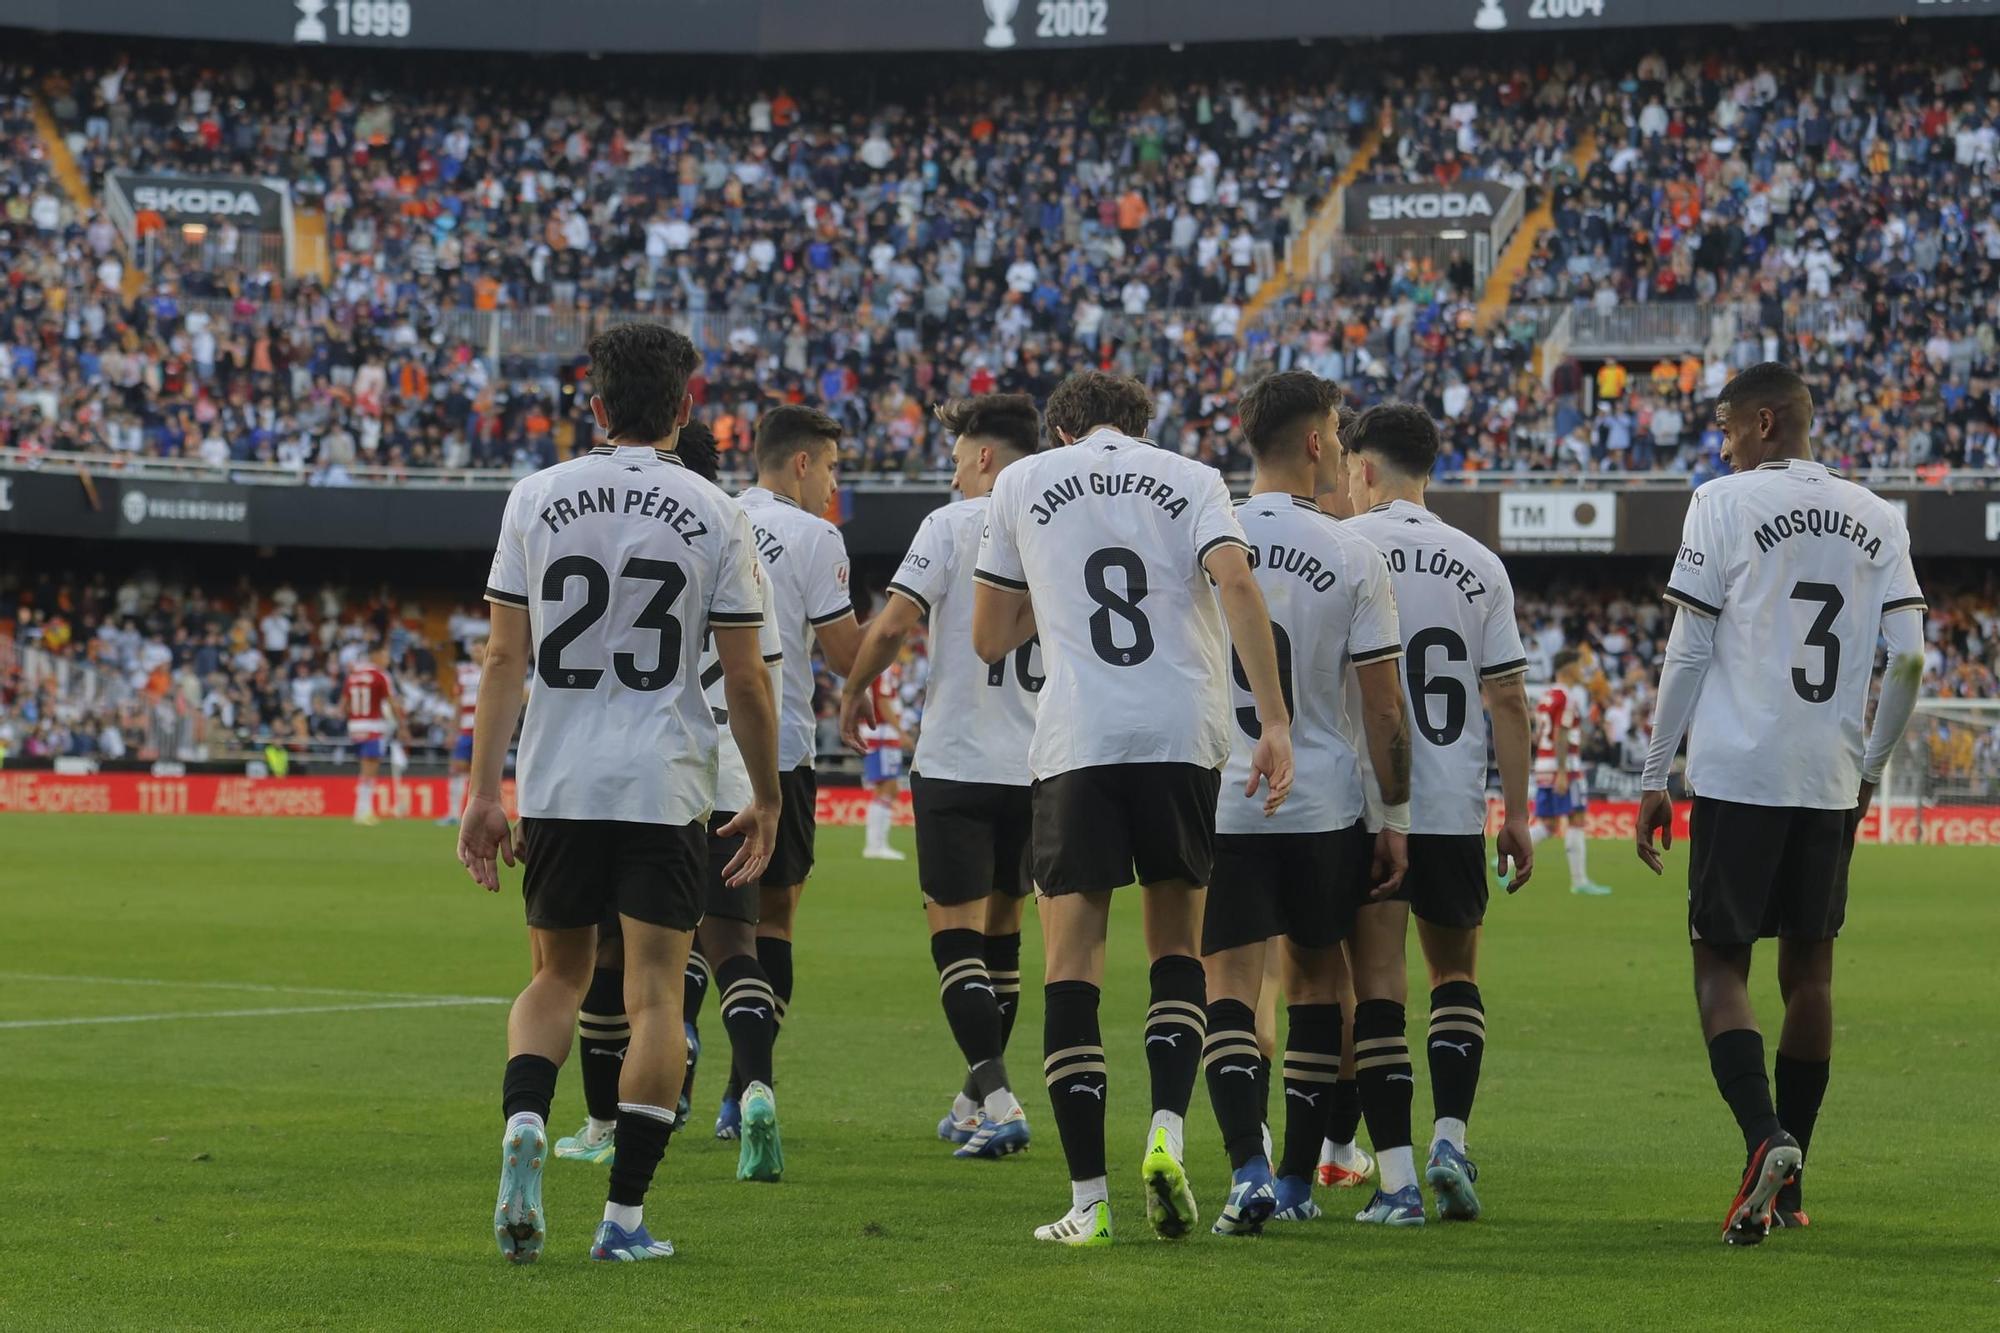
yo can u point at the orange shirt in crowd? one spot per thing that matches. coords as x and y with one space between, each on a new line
1611 379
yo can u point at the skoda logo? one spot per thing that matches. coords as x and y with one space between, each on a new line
133 506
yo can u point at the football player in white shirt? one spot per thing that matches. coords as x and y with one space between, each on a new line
798 455
1785 577
1302 873
1460 643
1107 548
725 943
970 782
610 571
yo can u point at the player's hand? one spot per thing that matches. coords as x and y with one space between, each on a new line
1391 862
856 708
483 833
1271 763
758 823
1517 845
1864 798
1656 812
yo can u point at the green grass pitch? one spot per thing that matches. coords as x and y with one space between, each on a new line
334 1167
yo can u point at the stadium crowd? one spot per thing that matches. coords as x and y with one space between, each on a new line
152 667
875 251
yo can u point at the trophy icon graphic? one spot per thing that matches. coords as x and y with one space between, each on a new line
310 27
1000 35
1491 16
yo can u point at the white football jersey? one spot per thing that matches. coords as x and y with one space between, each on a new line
1107 538
623 559
807 562
1331 605
1797 567
1456 608
978 720
732 775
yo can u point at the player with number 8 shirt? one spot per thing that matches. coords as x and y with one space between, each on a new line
1125 559
1460 641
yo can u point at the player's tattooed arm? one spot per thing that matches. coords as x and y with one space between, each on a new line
1385 718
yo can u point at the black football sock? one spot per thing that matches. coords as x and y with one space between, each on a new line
1073 1064
1175 1024
775 955
1344 1119
694 986
603 1033
1263 1089
1382 1068
1801 1088
1234 1069
1312 1067
638 1145
750 1015
1456 1043
971 1009
529 1085
1737 1059
1003 965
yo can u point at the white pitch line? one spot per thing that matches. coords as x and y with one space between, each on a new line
255 987
445 1002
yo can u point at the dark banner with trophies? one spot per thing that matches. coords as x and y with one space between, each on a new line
770 27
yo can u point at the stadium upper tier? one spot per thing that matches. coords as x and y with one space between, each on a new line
876 239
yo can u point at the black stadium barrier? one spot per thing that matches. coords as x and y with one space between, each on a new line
880 522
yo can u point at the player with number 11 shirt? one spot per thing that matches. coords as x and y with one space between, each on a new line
1125 559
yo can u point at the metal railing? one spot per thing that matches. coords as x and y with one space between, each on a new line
1681 327
934 479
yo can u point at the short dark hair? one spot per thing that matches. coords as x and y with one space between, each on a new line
1565 657
1093 398
786 430
641 371
696 448
1006 419
1278 406
1771 384
1348 415
1400 434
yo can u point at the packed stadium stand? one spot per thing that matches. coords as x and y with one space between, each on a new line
877 241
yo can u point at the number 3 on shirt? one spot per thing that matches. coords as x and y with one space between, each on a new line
657 616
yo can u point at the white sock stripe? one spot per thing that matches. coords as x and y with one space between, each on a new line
1295 1075
1160 1008
1221 1053
1400 1060
750 989
697 966
1013 976
1312 1058
1230 1034
957 965
605 1034
662 1114
1055 1076
1194 1025
1459 1011
1382 1044
600 1020
1069 1052
1472 1028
